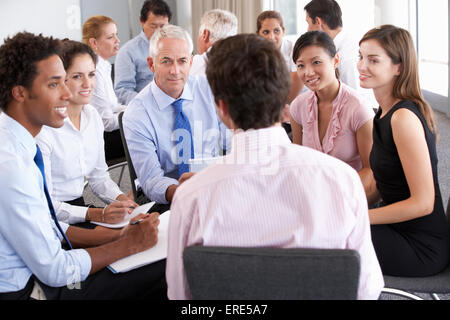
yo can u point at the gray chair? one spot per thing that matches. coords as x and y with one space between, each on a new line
406 287
138 194
223 273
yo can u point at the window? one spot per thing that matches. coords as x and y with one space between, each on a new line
433 43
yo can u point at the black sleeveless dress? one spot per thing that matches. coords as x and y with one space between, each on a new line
418 247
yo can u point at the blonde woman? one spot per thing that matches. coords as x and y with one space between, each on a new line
409 229
100 33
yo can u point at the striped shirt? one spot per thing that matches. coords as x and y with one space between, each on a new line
270 193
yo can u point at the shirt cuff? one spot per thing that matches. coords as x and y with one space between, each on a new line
156 190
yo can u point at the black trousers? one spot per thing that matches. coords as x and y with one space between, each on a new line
145 283
113 145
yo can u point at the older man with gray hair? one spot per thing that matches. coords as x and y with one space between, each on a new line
215 25
171 120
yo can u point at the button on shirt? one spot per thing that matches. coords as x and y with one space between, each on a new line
30 243
71 155
132 73
148 127
104 98
270 193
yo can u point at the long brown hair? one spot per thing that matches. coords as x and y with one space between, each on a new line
399 46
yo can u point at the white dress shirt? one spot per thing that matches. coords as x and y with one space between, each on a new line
30 242
199 64
71 156
348 51
269 192
287 49
104 98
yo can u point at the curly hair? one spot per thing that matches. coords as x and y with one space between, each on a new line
250 75
19 56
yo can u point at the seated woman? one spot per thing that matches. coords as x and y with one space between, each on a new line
75 152
100 33
270 25
330 118
409 229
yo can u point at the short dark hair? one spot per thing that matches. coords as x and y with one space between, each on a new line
71 49
157 7
250 75
315 38
327 10
18 58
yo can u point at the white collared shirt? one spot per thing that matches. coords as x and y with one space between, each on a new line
30 243
269 192
199 64
71 156
104 98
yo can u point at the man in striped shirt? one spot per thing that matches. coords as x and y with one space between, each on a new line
267 192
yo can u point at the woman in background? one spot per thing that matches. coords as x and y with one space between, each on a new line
100 33
332 117
270 26
75 152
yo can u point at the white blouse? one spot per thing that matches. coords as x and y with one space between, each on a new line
71 156
104 98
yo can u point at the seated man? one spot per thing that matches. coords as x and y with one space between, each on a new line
173 119
266 192
31 237
131 73
215 25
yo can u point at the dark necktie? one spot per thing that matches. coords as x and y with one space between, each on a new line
40 163
182 123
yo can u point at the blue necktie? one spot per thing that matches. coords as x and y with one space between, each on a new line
40 163
182 123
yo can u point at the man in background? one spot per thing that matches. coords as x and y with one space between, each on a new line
130 69
215 25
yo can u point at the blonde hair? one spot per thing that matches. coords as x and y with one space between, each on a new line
399 46
92 28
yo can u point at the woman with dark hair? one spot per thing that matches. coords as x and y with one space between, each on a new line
409 229
270 25
331 118
75 152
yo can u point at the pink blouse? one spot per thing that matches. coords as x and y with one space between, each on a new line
349 115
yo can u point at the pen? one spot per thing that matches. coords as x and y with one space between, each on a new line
114 200
136 222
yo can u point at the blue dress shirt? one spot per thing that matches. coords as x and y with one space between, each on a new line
148 125
29 240
131 71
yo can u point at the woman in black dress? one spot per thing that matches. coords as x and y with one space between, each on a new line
409 229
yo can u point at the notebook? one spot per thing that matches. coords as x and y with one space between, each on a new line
141 209
157 253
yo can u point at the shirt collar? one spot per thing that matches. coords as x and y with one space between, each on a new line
164 101
103 64
143 36
259 139
339 38
22 135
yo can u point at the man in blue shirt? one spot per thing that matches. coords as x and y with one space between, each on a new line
173 119
31 251
130 69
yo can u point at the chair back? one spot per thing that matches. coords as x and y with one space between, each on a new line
138 194
224 273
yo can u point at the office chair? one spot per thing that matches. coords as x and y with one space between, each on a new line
433 285
138 194
223 273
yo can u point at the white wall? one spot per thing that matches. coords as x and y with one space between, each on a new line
58 18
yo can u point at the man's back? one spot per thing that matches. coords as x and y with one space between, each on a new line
270 193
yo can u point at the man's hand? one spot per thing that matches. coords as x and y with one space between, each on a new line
142 232
186 176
